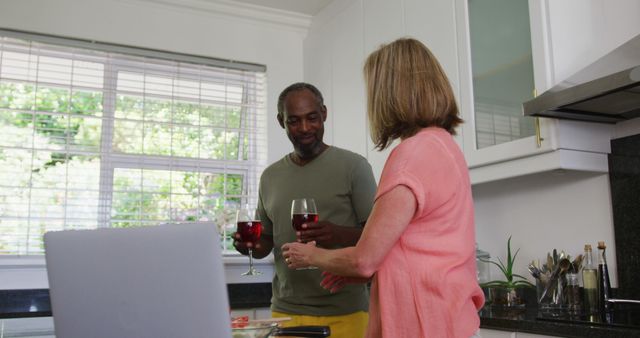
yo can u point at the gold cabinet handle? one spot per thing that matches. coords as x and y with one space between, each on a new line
539 138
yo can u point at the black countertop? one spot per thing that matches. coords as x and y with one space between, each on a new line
529 320
625 322
24 303
35 303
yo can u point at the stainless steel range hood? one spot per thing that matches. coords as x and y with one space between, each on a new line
606 91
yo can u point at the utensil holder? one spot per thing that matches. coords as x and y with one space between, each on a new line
555 300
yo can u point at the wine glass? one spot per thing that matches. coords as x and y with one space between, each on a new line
249 228
303 210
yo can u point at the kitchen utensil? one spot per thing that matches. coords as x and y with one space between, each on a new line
576 264
535 272
562 267
263 330
550 264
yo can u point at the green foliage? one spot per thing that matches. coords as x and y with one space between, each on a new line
86 103
64 123
16 96
196 130
513 280
50 112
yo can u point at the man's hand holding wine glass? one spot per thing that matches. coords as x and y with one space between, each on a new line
249 229
241 246
319 232
304 215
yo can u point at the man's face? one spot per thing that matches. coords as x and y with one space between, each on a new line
303 119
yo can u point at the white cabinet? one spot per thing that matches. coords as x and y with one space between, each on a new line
502 64
346 31
503 60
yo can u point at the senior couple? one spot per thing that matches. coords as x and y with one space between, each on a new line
411 238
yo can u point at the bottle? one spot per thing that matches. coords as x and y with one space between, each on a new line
604 286
589 283
482 264
574 302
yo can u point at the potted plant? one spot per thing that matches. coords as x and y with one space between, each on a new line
508 292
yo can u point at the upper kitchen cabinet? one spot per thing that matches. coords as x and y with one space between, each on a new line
505 56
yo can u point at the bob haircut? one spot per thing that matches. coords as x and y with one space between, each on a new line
407 91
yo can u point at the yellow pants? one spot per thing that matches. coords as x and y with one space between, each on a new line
352 325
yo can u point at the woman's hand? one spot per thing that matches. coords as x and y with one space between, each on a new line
334 283
298 255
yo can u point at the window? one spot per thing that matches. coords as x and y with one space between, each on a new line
97 135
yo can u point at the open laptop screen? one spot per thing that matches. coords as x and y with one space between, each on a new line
157 281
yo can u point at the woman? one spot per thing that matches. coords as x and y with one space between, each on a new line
418 245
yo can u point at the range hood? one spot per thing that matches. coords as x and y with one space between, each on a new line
607 90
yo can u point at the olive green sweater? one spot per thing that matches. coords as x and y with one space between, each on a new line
343 186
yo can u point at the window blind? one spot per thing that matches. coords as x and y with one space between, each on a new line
95 135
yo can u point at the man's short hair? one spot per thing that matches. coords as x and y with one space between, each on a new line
295 87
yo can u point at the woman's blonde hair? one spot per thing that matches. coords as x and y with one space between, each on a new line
407 90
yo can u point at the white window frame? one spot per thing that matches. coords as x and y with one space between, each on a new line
110 161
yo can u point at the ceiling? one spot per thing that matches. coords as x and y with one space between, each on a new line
307 7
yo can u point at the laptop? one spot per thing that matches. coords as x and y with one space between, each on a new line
156 281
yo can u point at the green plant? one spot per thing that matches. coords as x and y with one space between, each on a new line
513 280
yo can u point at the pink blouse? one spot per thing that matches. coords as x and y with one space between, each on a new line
427 286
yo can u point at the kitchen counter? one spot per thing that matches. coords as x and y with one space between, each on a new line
530 320
35 303
527 320
24 303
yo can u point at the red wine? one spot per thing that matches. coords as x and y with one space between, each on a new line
298 219
250 231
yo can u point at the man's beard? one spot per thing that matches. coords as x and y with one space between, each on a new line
307 151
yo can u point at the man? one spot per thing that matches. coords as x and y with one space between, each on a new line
343 187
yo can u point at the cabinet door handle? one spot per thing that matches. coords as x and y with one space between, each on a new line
539 138
536 122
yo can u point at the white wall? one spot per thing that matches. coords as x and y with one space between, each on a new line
275 40
556 210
